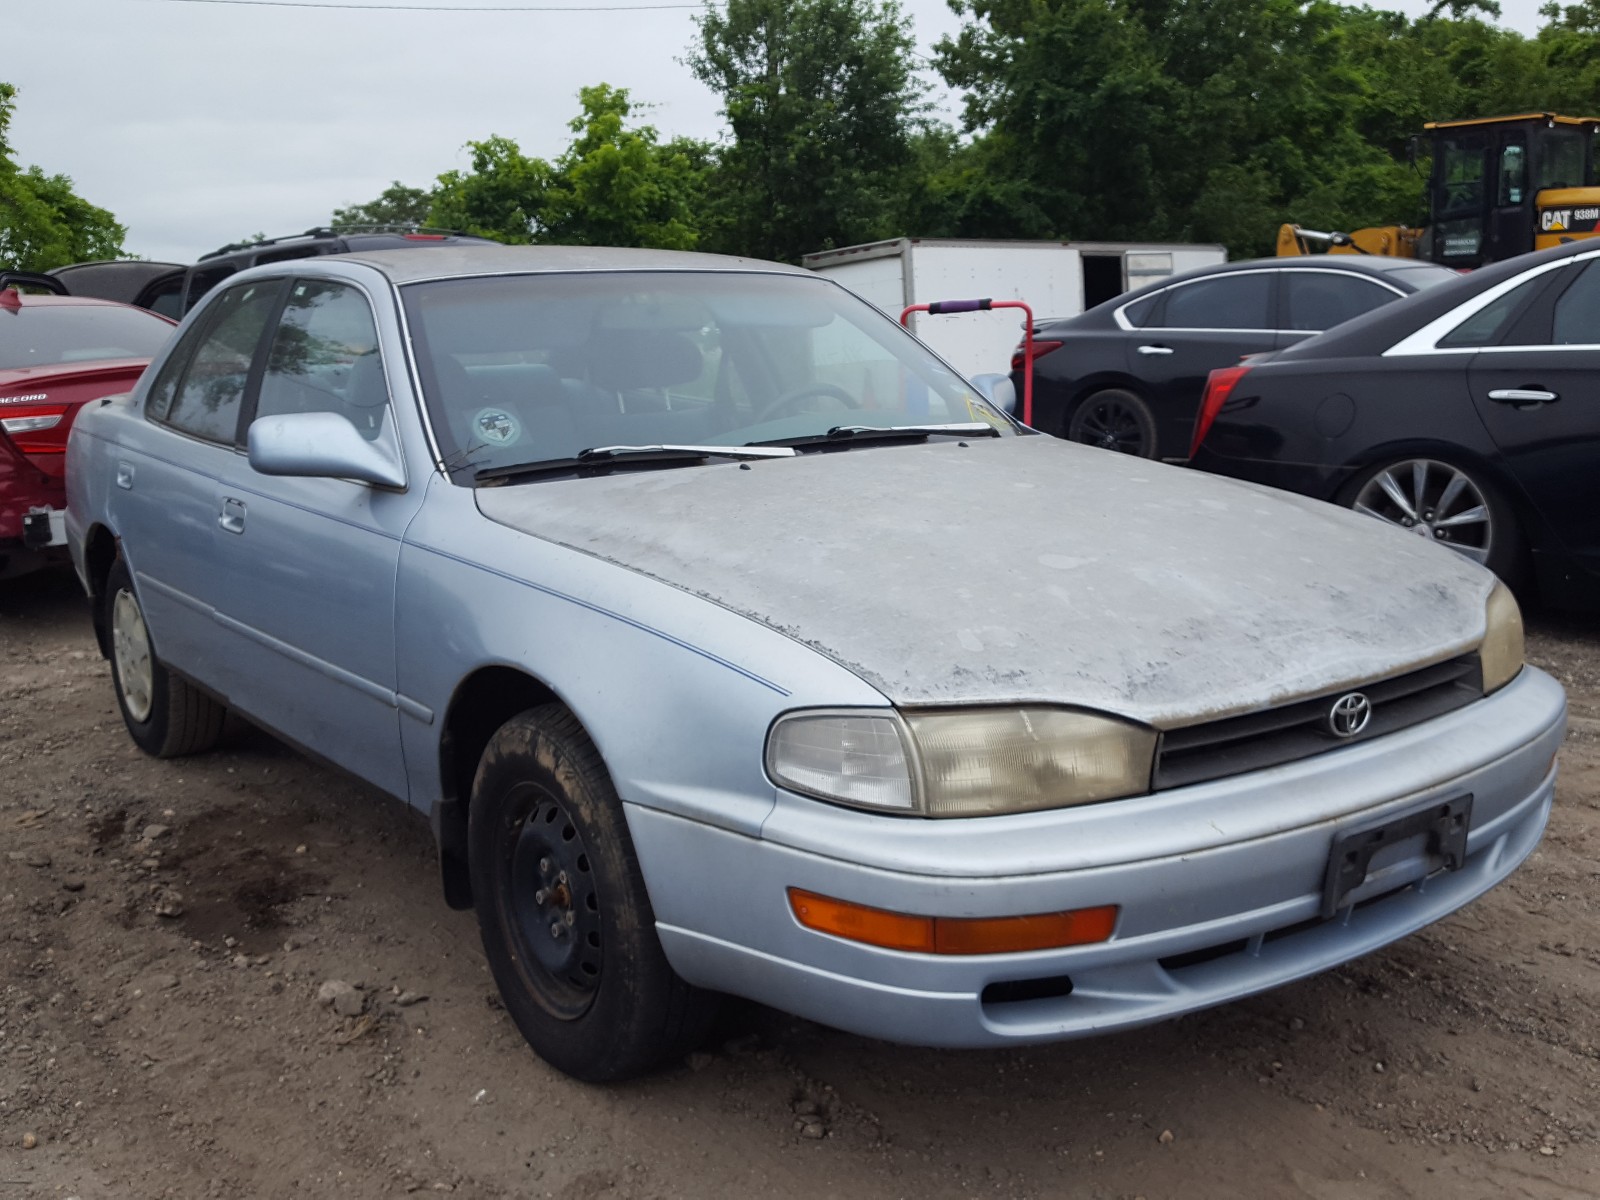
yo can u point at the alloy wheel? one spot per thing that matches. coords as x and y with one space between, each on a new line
1435 501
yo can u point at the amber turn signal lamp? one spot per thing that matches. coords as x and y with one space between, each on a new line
952 935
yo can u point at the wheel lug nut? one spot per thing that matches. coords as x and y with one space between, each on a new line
557 929
571 918
540 896
544 866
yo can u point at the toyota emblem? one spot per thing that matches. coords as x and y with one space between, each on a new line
1349 715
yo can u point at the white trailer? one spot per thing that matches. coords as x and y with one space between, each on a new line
1057 279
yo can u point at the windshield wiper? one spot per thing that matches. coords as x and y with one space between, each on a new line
861 434
605 456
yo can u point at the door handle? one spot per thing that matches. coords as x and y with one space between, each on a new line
1155 349
125 476
1523 397
232 515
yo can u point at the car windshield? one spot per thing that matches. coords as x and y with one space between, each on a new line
37 335
531 368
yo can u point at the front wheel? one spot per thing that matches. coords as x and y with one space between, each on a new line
166 716
1114 419
566 921
1450 505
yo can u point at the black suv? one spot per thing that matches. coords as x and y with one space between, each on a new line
172 290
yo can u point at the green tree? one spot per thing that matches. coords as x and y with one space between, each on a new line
615 185
500 197
397 204
823 104
618 186
43 222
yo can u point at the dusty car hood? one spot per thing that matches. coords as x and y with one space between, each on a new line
1031 569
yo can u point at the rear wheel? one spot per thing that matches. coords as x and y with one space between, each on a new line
566 921
1114 419
166 716
1450 505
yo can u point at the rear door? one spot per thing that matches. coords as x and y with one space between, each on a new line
1196 328
1538 392
165 477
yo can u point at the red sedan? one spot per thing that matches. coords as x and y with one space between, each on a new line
57 353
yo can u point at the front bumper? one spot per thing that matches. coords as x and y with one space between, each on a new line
1219 885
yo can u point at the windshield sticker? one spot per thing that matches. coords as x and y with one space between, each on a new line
496 426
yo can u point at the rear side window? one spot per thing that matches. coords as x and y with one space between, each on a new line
1229 302
202 393
1577 320
1320 300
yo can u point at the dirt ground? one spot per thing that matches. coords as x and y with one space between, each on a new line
165 929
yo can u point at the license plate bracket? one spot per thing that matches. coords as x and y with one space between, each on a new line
1443 825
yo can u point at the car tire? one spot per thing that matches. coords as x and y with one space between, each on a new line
562 907
1114 419
1451 505
166 716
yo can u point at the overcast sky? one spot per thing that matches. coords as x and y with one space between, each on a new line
201 123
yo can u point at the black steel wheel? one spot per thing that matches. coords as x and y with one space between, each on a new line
166 716
1114 419
563 911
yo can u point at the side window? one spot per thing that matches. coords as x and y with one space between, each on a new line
1141 312
1228 302
1513 174
1577 320
1320 299
324 358
1484 327
202 279
206 400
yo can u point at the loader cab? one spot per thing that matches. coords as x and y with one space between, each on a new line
1503 186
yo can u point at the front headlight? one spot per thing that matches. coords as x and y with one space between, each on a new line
1500 656
968 763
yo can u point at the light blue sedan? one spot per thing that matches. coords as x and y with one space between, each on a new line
733 643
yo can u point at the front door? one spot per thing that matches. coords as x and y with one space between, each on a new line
306 588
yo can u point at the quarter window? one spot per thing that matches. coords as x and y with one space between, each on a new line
202 396
1577 320
1138 313
1320 300
324 358
1230 302
1484 327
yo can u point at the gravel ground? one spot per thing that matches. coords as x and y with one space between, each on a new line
168 931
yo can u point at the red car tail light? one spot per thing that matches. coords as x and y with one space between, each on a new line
1219 386
1040 349
39 431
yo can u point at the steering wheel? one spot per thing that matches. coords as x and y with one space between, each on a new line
834 391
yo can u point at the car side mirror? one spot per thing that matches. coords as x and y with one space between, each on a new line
998 390
320 445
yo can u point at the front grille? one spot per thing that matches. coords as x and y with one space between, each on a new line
1256 740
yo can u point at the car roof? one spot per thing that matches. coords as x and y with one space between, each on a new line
450 262
1375 265
15 299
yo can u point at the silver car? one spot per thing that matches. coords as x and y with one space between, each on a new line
734 644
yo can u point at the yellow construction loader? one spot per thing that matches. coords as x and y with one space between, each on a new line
1499 186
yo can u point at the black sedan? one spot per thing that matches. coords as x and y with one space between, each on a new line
1127 375
1469 415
